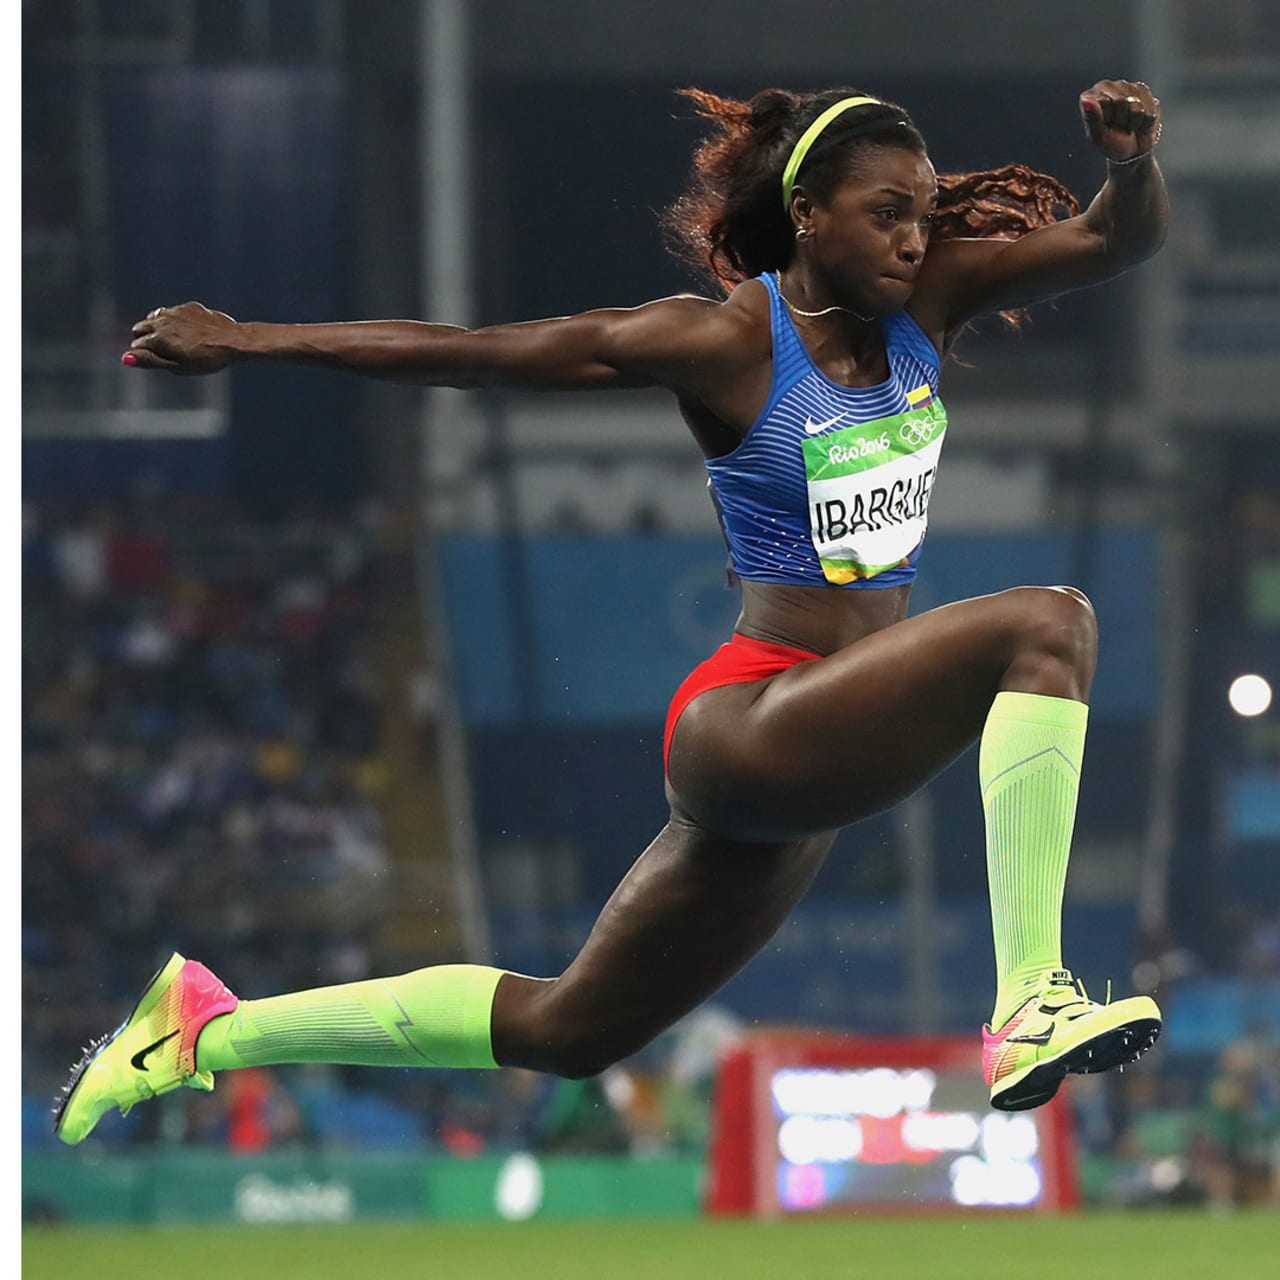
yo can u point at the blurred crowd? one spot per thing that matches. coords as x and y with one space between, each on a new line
1199 1127
200 736
1197 1120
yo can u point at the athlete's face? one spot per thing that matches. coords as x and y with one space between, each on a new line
869 239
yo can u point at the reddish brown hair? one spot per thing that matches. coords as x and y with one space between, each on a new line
730 224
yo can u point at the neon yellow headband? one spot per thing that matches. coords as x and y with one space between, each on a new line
809 137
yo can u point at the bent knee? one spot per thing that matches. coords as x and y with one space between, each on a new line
1054 644
1072 612
1080 603
1056 616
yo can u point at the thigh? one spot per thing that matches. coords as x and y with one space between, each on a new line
826 743
690 913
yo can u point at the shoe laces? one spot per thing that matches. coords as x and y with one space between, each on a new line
1063 978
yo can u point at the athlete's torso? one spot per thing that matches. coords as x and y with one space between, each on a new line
824 501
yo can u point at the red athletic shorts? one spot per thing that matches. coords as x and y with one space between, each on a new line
740 661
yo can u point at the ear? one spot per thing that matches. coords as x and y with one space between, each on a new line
802 212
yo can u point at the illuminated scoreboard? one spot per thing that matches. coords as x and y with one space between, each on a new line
808 1123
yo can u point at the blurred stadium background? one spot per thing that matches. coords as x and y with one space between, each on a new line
324 679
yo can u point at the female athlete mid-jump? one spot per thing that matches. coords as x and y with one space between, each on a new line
812 390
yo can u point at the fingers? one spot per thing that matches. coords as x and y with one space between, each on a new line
1117 90
1114 109
141 353
1101 112
1127 114
1091 110
150 324
140 358
180 339
1144 122
155 328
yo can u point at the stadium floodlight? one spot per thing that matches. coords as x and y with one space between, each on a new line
1249 695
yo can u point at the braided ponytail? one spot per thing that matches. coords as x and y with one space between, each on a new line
729 224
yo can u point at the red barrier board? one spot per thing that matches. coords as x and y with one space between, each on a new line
807 1122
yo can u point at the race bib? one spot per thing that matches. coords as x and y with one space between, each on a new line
869 490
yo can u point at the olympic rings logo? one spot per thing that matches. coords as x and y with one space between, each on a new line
917 431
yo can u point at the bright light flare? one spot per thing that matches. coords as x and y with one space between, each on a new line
1249 695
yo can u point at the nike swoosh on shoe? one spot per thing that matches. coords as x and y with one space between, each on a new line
139 1059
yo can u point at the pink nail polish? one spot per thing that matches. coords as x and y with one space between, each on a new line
128 358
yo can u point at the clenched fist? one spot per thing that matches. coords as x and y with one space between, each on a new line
1122 118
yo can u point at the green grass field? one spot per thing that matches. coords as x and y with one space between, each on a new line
1165 1246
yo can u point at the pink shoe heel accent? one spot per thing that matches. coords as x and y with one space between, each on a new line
204 996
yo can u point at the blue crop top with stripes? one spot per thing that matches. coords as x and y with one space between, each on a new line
830 486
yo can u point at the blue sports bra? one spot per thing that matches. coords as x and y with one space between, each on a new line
830 486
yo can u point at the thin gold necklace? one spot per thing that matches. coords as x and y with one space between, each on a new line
826 311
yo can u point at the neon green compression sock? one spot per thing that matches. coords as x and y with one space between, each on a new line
1029 767
437 1017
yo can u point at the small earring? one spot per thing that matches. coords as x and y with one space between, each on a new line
803 233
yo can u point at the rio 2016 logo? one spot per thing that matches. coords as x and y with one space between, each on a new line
858 449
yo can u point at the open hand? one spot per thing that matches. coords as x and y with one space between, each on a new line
187 339
1121 117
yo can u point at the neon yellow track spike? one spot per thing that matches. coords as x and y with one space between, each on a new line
1058 1031
151 1053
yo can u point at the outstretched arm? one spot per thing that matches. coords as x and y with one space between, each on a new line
1125 223
686 343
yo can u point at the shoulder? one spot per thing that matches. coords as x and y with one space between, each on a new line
735 341
725 332
744 316
748 313
693 345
